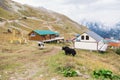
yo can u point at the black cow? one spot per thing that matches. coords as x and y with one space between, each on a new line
69 51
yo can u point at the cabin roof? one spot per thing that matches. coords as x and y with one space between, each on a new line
45 32
94 35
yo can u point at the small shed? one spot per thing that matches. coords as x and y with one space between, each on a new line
89 40
40 35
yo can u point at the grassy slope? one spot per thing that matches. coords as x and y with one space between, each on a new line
29 62
62 26
33 24
46 18
6 14
86 62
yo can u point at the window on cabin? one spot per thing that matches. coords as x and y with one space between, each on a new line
87 37
78 39
82 37
33 34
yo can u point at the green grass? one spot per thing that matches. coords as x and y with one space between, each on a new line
29 58
8 66
7 15
33 24
21 27
86 62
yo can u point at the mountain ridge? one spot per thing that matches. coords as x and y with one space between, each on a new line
103 30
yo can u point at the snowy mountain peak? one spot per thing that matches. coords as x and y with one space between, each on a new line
106 31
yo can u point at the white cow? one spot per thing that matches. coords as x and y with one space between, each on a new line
41 44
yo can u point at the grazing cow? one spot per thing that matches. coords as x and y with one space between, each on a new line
69 51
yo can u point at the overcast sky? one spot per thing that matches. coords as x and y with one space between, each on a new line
106 11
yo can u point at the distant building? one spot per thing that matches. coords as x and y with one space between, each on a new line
41 35
90 41
113 43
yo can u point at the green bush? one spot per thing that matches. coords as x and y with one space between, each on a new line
105 74
116 77
118 51
102 73
68 71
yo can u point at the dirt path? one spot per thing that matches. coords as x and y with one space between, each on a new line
48 50
54 50
2 23
36 63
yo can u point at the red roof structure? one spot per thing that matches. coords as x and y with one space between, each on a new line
114 44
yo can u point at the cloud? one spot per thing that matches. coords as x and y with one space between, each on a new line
80 1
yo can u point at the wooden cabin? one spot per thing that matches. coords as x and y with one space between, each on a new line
41 35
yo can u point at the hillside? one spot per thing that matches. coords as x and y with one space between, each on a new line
28 62
24 18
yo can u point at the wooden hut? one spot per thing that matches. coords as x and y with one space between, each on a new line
41 35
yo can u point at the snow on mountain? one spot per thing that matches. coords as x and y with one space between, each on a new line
103 30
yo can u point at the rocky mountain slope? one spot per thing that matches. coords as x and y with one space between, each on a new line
103 30
25 18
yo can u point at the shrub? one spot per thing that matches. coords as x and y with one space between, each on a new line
103 74
24 17
67 71
116 77
118 51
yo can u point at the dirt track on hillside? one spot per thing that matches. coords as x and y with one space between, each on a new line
32 58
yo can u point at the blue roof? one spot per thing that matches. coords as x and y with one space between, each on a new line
94 35
45 32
